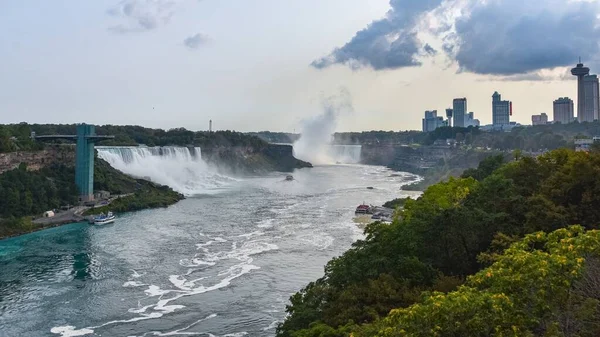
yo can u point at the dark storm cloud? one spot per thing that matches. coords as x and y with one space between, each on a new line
141 15
493 37
387 43
196 41
518 36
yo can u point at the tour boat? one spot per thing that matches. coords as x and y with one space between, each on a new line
363 209
104 219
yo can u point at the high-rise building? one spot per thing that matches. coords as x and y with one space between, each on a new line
563 110
449 114
501 111
460 111
432 121
470 120
580 71
591 105
541 119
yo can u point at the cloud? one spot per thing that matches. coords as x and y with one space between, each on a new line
196 41
141 15
388 43
511 37
491 37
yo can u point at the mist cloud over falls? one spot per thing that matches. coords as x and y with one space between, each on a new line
314 144
494 37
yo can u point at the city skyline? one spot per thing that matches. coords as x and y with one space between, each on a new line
249 67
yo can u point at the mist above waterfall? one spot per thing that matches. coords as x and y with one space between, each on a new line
315 143
180 168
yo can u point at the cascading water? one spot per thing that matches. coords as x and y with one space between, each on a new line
330 154
346 154
181 168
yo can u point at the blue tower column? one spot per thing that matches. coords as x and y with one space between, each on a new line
84 161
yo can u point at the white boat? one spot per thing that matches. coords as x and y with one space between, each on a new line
104 219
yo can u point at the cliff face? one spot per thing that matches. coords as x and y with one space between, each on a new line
36 160
253 161
405 158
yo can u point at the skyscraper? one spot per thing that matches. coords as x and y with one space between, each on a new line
501 111
580 71
460 111
591 99
449 114
563 110
432 121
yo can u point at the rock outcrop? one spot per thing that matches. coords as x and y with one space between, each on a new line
35 160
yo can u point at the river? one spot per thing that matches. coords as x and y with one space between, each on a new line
221 263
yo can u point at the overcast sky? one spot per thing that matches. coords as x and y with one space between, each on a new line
254 65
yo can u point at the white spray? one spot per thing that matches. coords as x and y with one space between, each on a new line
315 141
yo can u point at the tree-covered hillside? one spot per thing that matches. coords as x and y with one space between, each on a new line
15 137
460 228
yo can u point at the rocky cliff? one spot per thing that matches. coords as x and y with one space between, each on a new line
36 160
251 160
405 158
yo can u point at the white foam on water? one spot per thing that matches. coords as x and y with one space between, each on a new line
181 331
271 326
267 223
70 331
320 240
185 287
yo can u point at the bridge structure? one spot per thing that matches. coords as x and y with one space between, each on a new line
84 157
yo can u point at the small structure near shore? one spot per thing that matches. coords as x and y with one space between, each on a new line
48 214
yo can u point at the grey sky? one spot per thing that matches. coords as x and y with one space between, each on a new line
247 64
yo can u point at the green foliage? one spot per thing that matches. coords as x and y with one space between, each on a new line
126 135
396 203
485 169
533 289
147 196
455 229
25 192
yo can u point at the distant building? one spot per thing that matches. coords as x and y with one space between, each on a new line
584 144
501 111
470 120
432 121
48 214
449 114
591 104
460 111
580 71
541 119
563 110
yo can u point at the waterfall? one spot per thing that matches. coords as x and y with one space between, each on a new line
181 168
346 154
329 154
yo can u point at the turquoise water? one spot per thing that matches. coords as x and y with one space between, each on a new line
222 264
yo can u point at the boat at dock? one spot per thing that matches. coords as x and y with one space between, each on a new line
363 209
103 219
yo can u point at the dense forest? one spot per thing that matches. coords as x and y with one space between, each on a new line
15 137
492 253
26 193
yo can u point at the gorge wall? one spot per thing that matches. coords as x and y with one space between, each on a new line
35 160
251 160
